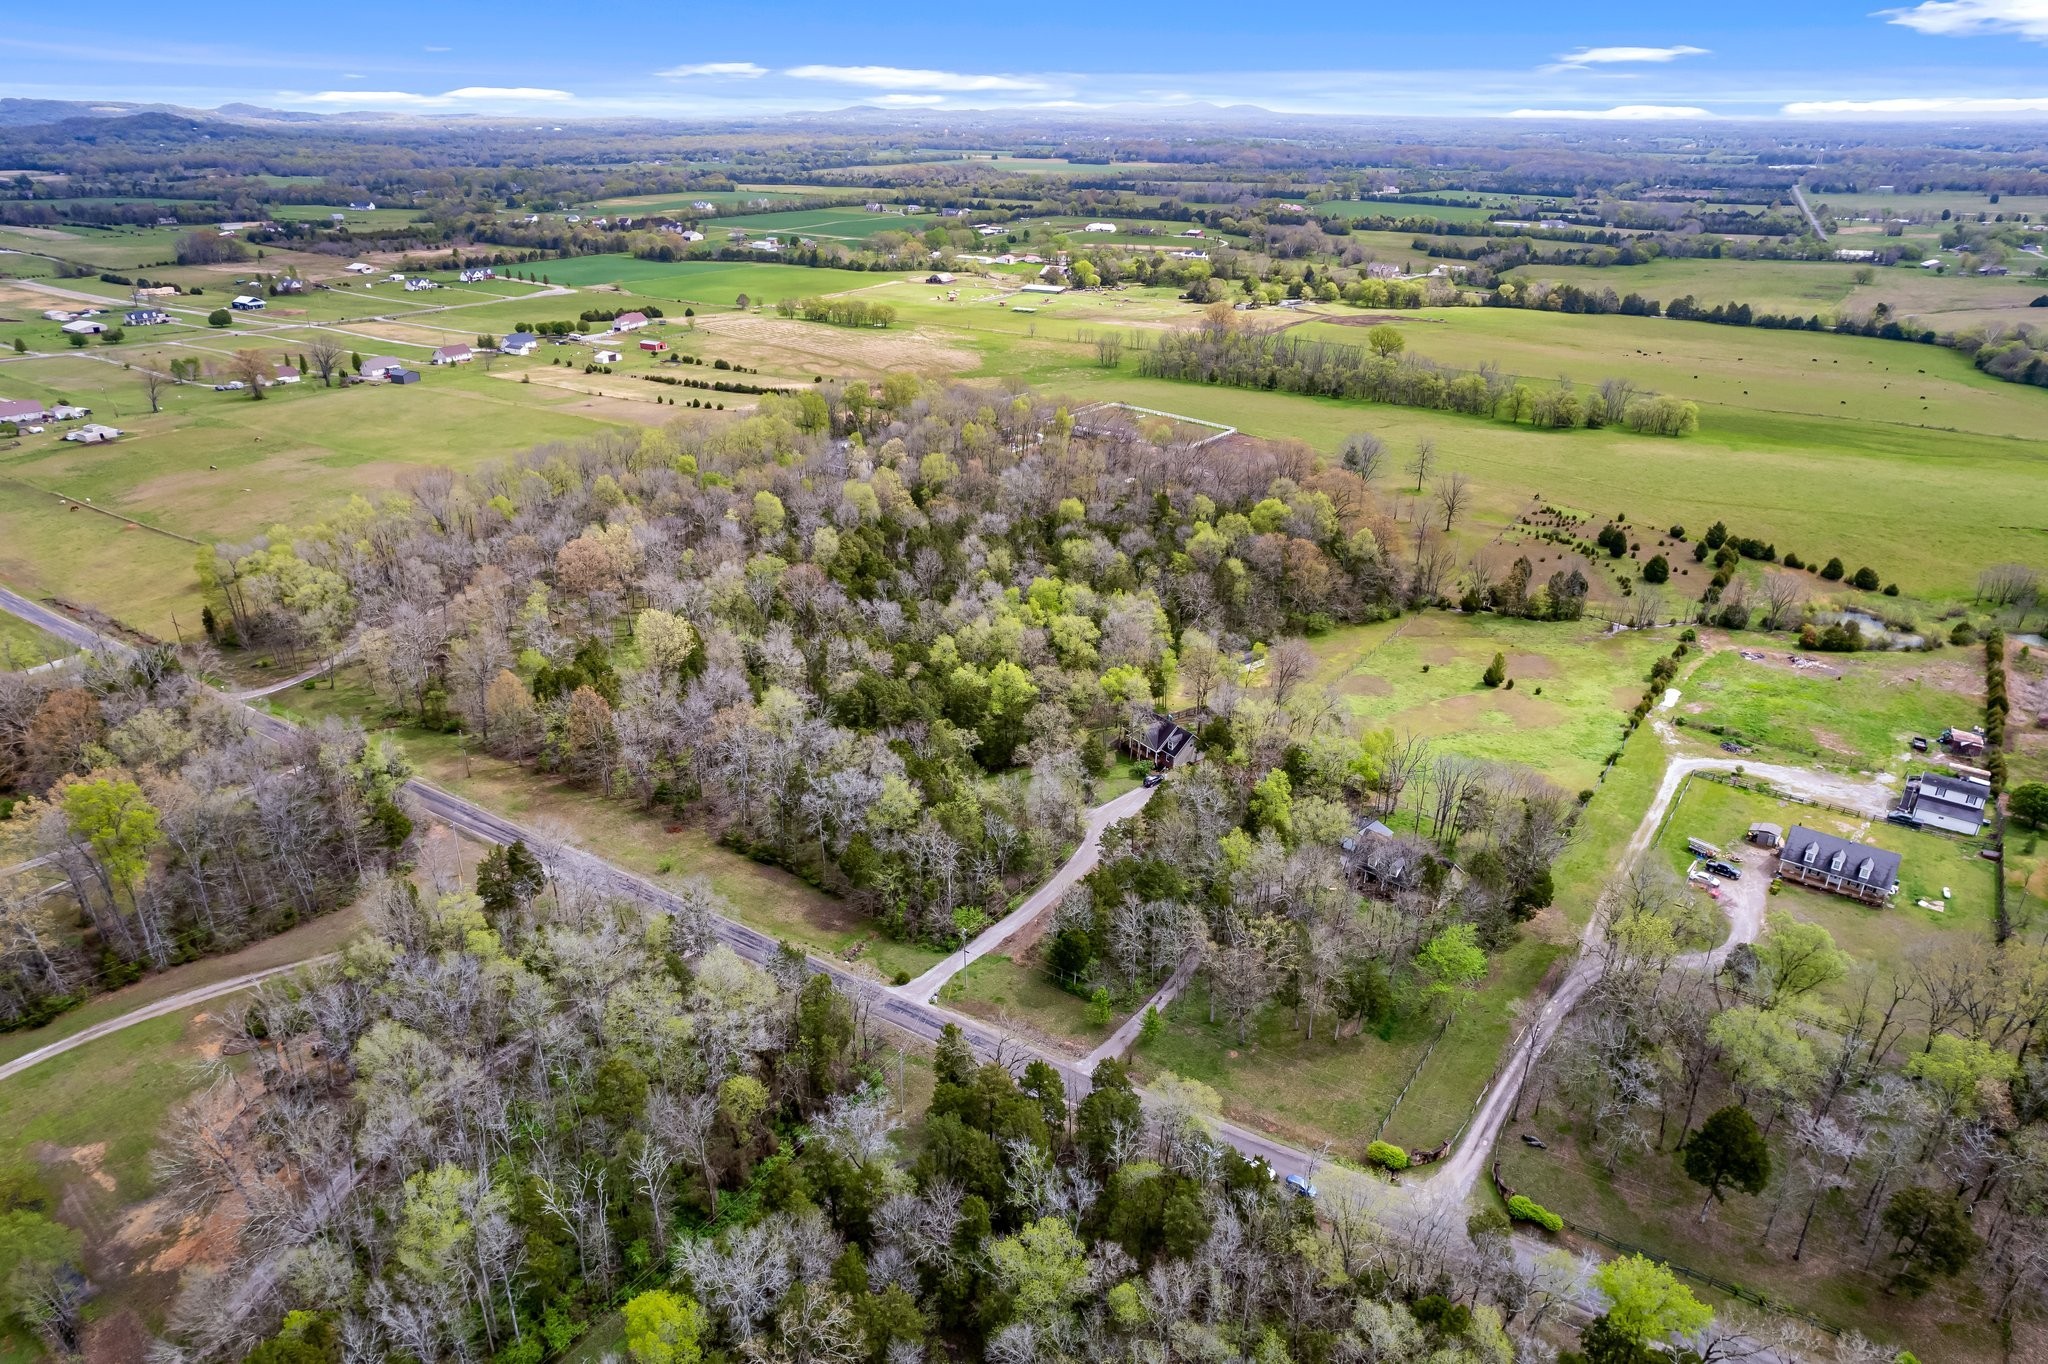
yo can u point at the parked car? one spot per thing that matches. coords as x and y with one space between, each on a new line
1154 778
1919 744
1726 870
1299 1186
1905 817
231 386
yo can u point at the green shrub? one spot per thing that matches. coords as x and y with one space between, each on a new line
1387 1156
1525 1209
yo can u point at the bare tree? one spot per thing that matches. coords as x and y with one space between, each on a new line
155 382
1615 396
324 354
1783 594
1423 462
2005 584
1109 349
1288 666
1453 490
1363 454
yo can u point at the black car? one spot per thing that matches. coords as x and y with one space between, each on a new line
1726 870
1919 744
1154 778
1905 817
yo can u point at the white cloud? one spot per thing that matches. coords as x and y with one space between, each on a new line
521 93
736 70
1620 112
898 77
1975 18
1935 107
1606 56
407 99
903 101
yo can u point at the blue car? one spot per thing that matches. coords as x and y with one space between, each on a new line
1300 1187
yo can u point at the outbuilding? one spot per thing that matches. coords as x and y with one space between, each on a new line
93 434
1766 835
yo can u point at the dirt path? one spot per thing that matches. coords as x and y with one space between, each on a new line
927 986
1122 1039
169 1005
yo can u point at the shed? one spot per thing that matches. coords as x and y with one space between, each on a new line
1765 834
402 376
92 434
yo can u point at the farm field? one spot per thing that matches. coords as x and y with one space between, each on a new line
1931 203
1419 674
219 466
706 284
1859 721
849 224
1806 288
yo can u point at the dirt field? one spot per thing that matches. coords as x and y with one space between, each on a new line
786 346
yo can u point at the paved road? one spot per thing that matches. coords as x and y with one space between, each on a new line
1799 197
911 1014
1082 861
1449 1182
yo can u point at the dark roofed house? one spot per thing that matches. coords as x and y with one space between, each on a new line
1826 862
1953 803
1163 743
1377 856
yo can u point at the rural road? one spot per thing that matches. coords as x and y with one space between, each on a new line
1451 1180
1083 860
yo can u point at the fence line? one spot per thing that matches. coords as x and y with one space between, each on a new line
1413 1075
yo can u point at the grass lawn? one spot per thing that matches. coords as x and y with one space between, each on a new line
765 897
88 1121
1890 938
1455 1074
25 646
1306 1093
1420 674
1861 721
1019 995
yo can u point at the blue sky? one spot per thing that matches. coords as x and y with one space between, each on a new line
1949 60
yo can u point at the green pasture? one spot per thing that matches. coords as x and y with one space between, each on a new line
705 284
1931 203
114 248
221 466
1860 721
851 224
1804 288
1420 674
